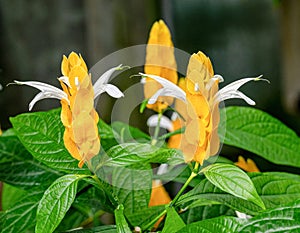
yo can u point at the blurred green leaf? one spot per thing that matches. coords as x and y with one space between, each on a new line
55 203
127 133
11 195
22 215
19 168
256 131
173 221
107 135
134 153
122 226
42 135
233 180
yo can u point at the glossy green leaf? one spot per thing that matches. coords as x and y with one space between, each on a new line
134 153
100 229
19 168
42 135
56 202
220 225
233 180
198 211
22 215
273 189
281 219
173 221
132 187
122 226
256 131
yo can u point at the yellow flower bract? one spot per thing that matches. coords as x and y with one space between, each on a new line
248 166
200 139
79 117
160 61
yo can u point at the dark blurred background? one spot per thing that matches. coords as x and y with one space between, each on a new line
243 38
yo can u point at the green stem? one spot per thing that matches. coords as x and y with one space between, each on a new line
193 174
173 202
156 132
150 224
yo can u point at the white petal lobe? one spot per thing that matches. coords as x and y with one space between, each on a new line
165 122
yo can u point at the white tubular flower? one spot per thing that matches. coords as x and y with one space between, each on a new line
101 85
47 91
231 90
168 89
164 122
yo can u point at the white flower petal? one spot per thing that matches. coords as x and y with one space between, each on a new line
169 89
113 91
165 122
162 169
231 90
99 86
242 215
47 91
153 98
40 96
104 78
65 80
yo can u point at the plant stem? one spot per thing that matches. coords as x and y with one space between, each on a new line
193 174
155 219
156 132
173 202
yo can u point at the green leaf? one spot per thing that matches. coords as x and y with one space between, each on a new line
56 202
281 219
22 215
260 133
276 188
102 229
19 168
134 153
122 226
132 187
173 221
196 211
273 189
127 133
142 217
220 225
107 135
11 195
233 180
72 220
42 135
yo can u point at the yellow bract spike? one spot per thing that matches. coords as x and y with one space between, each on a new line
160 60
79 117
200 139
